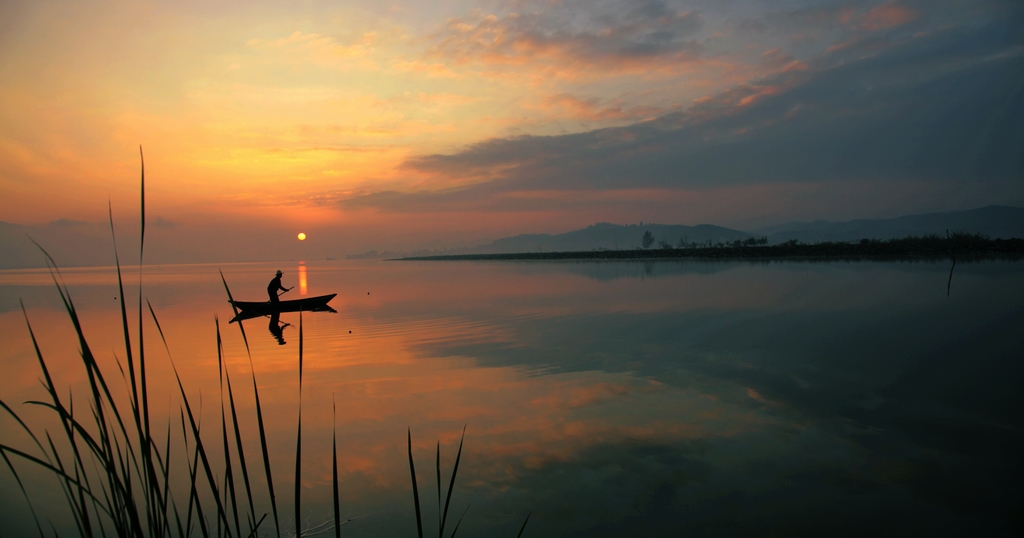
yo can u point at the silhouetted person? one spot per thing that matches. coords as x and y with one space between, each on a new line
274 286
277 328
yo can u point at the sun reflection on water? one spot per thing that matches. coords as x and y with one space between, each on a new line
589 391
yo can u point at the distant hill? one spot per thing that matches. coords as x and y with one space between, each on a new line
994 221
606 236
75 243
70 243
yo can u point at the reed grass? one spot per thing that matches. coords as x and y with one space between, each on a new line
298 446
116 479
259 412
442 516
334 467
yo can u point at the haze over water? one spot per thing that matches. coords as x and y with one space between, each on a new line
707 399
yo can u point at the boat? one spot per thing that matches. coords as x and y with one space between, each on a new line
253 309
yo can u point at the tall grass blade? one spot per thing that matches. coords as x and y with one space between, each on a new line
164 465
165 469
140 393
146 472
17 478
28 501
234 309
241 451
521 529
334 469
147 454
81 519
120 486
440 524
949 282
50 467
23 426
193 497
451 485
124 322
207 468
415 490
266 456
259 414
298 446
459 522
256 526
69 492
229 478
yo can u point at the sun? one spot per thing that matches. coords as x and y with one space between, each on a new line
302 236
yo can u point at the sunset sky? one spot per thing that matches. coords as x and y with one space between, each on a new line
409 124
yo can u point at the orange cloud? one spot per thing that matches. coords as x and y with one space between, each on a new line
777 58
617 46
887 15
579 108
570 106
759 92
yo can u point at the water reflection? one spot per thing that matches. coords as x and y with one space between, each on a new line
303 285
610 399
277 328
267 309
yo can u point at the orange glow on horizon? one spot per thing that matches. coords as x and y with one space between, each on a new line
223 131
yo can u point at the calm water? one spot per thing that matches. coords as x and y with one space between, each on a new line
607 399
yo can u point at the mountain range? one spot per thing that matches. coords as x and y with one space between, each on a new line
993 221
73 243
608 236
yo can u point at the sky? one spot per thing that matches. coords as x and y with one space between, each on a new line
405 125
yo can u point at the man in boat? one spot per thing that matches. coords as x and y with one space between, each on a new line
275 286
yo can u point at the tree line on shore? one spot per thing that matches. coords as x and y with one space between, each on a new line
956 245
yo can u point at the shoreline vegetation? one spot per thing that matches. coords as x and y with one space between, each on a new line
957 246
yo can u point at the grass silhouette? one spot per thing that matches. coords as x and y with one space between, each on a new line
116 479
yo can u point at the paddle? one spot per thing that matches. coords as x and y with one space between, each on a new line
279 294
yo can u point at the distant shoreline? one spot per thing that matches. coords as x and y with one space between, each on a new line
960 248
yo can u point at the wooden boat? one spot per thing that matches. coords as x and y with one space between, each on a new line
252 309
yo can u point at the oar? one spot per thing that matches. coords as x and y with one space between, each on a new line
268 301
279 294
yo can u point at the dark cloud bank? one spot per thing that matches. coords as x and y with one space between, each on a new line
943 105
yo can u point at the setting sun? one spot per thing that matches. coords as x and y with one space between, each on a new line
302 236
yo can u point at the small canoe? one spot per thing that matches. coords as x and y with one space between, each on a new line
251 309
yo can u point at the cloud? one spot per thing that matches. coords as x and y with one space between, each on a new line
574 35
946 106
888 15
317 46
778 59
567 105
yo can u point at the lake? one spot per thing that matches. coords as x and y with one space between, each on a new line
602 398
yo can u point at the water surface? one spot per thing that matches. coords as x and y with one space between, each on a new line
606 399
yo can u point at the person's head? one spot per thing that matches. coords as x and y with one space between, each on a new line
279 273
